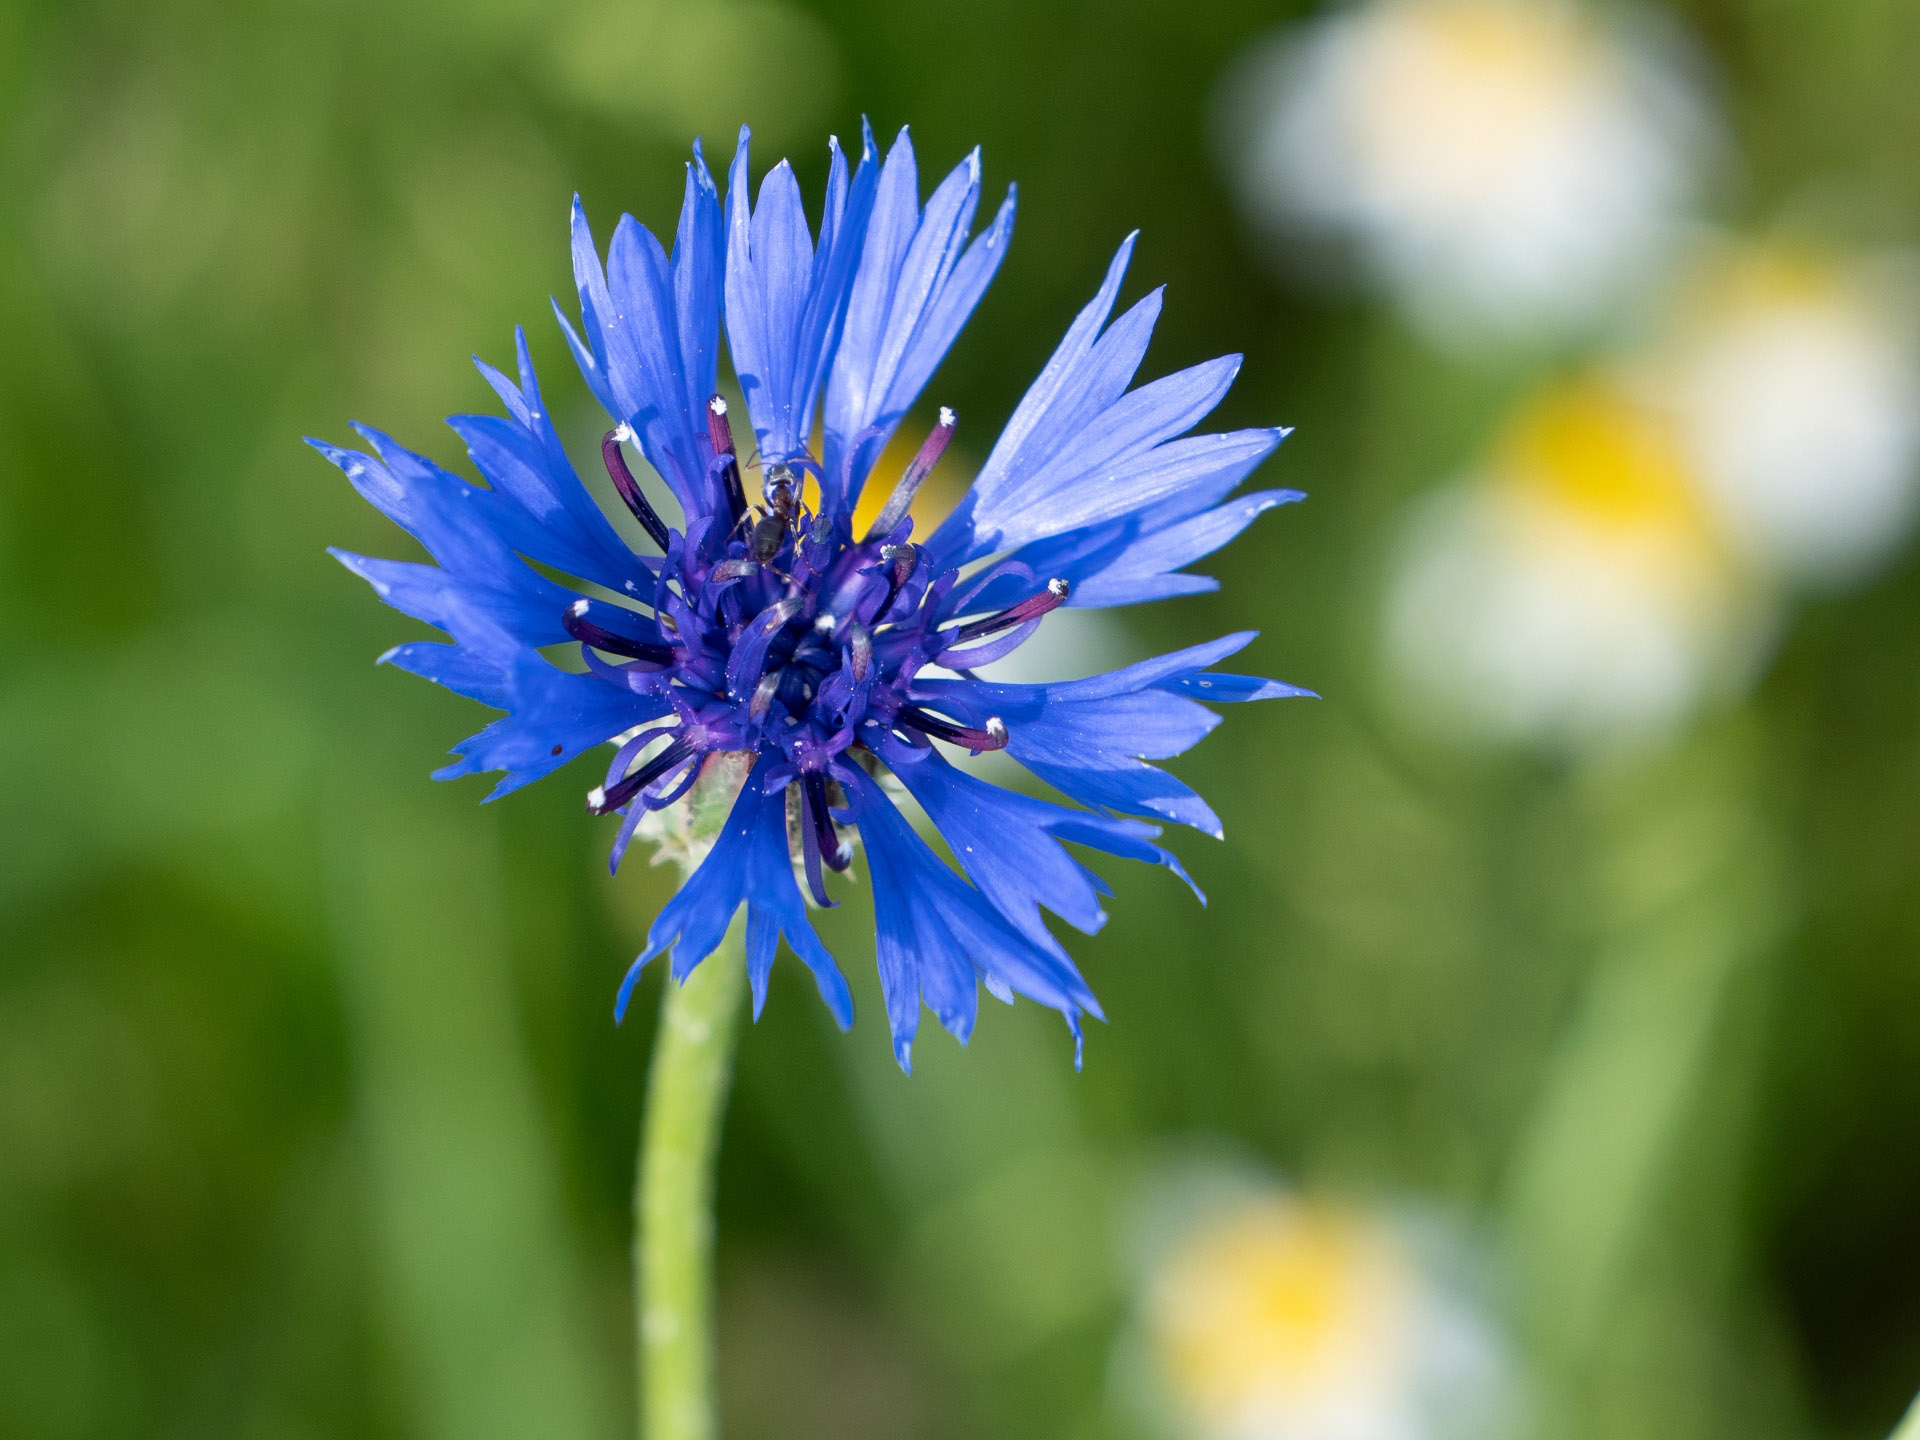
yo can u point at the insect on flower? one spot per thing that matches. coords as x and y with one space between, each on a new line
818 660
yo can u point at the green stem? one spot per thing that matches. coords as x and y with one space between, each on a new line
673 1196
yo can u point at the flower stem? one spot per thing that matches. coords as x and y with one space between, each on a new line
673 1196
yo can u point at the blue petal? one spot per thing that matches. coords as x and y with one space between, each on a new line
429 593
1006 843
1083 452
592 354
918 282
769 267
935 934
1087 372
522 459
699 273
1090 739
473 533
1145 567
948 308
477 674
553 716
1096 752
650 333
1073 495
672 433
1128 839
1027 700
1218 689
1121 562
750 864
786 299
1003 841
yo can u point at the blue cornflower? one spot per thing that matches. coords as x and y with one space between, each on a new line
833 659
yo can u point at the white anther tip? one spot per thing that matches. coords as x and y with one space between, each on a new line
577 608
996 730
623 432
718 404
596 797
1058 588
948 419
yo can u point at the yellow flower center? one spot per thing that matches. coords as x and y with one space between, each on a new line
1279 1297
1603 459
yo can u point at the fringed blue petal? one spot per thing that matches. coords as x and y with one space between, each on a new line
553 717
786 299
1086 468
935 935
1091 739
522 459
1007 843
1126 562
918 282
476 535
646 344
748 864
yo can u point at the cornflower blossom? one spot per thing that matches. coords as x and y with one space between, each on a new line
775 645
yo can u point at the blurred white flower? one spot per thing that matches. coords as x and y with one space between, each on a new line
1502 166
1796 383
1574 589
1262 1316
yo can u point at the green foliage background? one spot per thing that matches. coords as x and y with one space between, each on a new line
313 1120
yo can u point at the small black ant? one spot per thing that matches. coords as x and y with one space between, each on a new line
781 489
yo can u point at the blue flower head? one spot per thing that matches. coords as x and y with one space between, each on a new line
823 661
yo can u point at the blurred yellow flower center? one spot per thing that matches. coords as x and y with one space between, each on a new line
1278 1296
1757 277
1603 459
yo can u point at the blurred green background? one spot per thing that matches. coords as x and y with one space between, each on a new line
313 1118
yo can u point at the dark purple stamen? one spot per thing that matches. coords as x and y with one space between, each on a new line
903 560
629 488
574 618
835 851
720 433
902 498
1051 598
603 800
992 737
810 855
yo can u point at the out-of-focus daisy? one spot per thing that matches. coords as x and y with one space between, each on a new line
1796 383
1262 1316
1503 166
1575 587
